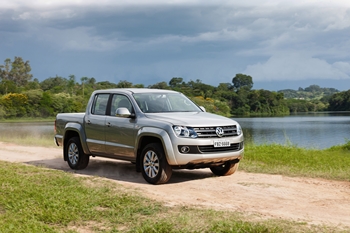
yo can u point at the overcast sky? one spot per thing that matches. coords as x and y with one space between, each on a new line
281 44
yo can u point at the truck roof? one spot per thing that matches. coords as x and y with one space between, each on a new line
136 90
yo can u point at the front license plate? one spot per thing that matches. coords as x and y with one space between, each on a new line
221 143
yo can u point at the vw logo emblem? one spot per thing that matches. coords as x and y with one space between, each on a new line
219 131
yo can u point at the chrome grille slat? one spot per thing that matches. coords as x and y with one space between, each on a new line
209 132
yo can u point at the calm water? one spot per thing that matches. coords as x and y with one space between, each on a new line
313 130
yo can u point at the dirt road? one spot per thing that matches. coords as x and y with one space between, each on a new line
315 201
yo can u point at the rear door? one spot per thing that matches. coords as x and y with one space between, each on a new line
95 124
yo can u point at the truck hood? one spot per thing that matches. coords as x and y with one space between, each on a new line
192 119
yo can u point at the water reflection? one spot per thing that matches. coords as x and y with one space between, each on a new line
316 130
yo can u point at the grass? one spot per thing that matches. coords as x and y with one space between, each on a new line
35 140
332 163
35 199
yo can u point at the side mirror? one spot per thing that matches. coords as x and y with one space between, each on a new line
123 112
203 108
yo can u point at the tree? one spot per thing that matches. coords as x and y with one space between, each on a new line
5 70
242 81
105 85
313 88
225 87
19 72
175 82
16 72
340 101
15 104
34 98
55 85
201 89
46 107
71 84
33 85
124 84
83 81
7 86
139 85
160 85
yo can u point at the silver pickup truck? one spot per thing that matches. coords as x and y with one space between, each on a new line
158 130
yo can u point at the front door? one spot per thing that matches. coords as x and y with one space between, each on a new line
120 131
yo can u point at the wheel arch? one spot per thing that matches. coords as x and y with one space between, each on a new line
142 142
74 130
154 135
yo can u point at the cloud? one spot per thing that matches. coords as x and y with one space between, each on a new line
342 66
211 41
79 39
297 66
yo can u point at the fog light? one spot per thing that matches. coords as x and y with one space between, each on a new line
185 149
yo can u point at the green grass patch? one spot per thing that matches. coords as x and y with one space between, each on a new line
35 199
35 140
332 163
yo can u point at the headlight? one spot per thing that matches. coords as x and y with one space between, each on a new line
186 132
239 130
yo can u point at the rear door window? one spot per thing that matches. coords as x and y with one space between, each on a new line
99 106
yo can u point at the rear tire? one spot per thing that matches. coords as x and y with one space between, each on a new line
154 166
226 169
76 157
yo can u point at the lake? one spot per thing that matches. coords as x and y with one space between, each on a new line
311 130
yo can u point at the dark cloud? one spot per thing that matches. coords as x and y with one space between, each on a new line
149 42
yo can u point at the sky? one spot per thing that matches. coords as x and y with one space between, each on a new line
281 44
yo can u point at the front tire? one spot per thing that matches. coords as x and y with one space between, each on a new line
76 157
225 169
154 166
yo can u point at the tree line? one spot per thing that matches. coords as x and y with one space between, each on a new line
23 96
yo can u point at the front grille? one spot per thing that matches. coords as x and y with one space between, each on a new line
212 149
208 149
210 132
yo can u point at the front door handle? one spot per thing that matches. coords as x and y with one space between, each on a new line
108 124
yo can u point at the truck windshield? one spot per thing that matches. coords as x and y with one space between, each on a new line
165 102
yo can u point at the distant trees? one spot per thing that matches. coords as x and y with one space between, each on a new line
20 96
340 101
14 74
308 93
54 84
160 85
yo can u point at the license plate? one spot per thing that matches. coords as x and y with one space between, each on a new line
221 143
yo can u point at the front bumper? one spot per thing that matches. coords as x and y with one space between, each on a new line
202 152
